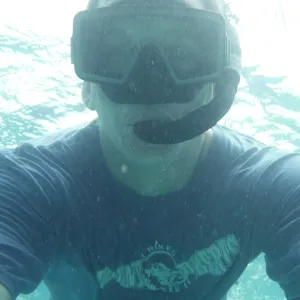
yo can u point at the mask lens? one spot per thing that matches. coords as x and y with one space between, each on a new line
105 48
106 51
193 50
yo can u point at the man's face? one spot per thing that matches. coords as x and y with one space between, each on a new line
116 119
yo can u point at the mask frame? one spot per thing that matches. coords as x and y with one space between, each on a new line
85 19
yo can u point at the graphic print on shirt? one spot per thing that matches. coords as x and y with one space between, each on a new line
158 270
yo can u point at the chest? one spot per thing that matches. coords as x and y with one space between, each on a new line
185 246
169 254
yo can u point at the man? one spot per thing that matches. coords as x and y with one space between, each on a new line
152 200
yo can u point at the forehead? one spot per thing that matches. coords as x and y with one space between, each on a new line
214 5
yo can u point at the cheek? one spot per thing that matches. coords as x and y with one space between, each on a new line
108 118
113 118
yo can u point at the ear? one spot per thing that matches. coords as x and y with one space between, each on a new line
87 96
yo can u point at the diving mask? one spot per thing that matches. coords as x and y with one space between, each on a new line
190 45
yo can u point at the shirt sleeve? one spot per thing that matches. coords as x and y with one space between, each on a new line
27 231
278 226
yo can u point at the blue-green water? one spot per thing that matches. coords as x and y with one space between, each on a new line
39 92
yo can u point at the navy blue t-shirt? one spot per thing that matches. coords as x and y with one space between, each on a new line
59 197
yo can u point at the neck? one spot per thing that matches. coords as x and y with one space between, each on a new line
158 177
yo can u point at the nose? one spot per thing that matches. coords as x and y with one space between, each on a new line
150 76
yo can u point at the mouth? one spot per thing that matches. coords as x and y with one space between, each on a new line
137 143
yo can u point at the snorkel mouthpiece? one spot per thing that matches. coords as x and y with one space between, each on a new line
196 122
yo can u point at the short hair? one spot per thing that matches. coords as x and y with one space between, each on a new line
214 5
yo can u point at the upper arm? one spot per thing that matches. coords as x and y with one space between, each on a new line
27 228
278 223
269 180
282 255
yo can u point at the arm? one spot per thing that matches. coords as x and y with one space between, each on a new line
269 180
282 253
27 226
4 294
278 225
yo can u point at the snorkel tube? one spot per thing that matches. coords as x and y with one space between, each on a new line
205 117
117 85
196 122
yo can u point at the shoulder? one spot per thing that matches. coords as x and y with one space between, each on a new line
231 152
69 136
252 175
249 165
47 165
263 181
252 161
58 150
